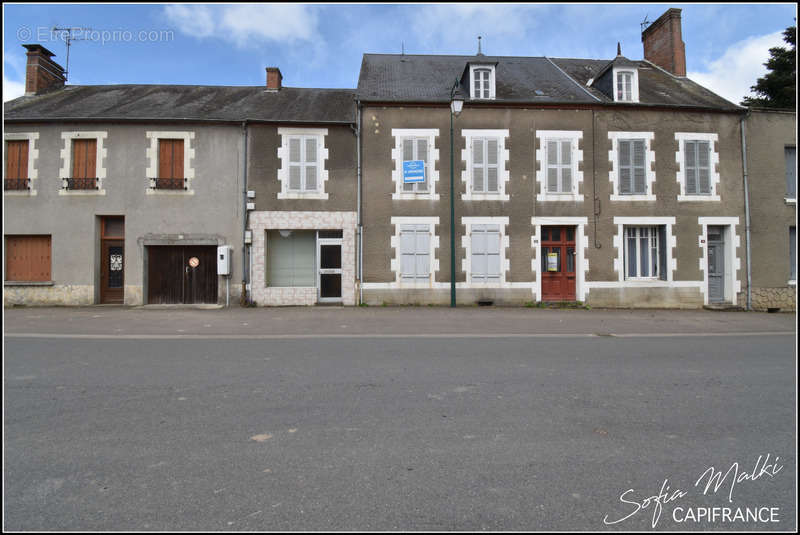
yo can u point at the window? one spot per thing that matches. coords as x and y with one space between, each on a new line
415 249
482 81
84 164
291 258
644 254
484 165
697 167
485 261
17 165
302 173
485 158
559 166
791 172
170 164
792 254
632 162
558 158
28 258
624 86
416 148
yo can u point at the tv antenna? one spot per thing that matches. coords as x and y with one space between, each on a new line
644 24
68 40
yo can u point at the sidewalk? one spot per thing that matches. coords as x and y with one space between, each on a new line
412 321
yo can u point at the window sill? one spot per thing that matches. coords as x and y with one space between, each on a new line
792 283
81 193
788 200
559 197
18 193
179 192
633 197
484 197
298 195
407 196
28 283
698 198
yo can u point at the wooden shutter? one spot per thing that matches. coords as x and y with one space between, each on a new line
84 158
170 158
28 258
17 159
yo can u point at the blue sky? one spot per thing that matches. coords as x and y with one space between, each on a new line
321 45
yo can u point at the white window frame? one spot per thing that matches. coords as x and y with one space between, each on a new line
574 137
491 69
65 171
432 173
653 243
634 73
322 156
713 175
650 160
732 261
581 245
151 155
396 262
33 154
466 244
669 248
503 174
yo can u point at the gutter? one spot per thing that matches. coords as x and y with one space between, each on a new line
746 209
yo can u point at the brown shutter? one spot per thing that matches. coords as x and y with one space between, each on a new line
17 159
84 154
28 258
177 158
170 158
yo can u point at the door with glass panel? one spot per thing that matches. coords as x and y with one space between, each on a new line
329 253
716 265
558 263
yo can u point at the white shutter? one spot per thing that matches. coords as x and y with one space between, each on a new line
566 169
691 167
423 243
624 167
422 154
703 168
477 165
492 147
639 185
552 166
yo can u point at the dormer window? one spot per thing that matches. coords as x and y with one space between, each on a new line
626 85
482 81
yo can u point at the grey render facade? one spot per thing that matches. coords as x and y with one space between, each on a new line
611 182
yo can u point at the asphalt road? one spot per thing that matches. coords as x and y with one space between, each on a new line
376 433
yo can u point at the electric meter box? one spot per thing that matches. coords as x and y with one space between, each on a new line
224 260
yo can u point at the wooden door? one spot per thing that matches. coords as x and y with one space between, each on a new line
181 274
200 280
716 265
558 263
112 260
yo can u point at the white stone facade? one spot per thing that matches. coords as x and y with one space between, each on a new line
261 222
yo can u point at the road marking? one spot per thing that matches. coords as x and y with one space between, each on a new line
390 335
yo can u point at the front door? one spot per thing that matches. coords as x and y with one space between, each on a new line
183 274
558 263
329 252
112 261
716 265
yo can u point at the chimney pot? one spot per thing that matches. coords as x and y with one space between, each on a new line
663 43
274 78
41 72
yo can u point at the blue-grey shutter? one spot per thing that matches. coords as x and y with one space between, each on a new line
566 171
639 169
491 165
477 165
662 252
791 172
422 154
690 165
624 167
703 168
408 155
295 159
552 170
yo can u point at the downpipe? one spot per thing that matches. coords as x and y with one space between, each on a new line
746 211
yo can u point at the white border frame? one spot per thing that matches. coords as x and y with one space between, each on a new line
395 244
151 153
33 154
397 158
574 136
66 162
503 174
581 260
466 245
680 176
492 84
733 286
619 244
650 163
283 156
634 83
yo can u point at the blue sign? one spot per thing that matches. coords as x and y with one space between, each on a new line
413 171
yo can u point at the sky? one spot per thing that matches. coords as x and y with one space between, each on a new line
321 45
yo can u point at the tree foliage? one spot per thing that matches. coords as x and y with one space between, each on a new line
777 88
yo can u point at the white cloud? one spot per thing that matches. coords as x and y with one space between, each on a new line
245 24
12 89
731 75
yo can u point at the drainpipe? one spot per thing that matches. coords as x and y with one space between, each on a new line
243 299
358 207
746 209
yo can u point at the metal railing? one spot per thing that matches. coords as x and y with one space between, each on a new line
169 183
82 183
16 184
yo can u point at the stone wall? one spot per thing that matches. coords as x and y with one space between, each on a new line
55 295
784 298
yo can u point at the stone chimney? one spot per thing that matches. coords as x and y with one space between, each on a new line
663 44
42 73
274 78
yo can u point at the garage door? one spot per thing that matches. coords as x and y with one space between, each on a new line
181 274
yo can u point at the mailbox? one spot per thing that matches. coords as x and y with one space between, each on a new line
224 260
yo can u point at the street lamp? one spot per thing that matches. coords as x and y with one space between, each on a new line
456 105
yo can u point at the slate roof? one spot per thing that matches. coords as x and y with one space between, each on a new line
534 80
185 102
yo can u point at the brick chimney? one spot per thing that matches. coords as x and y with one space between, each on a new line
663 44
42 73
274 78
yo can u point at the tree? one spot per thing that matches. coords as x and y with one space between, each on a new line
777 88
